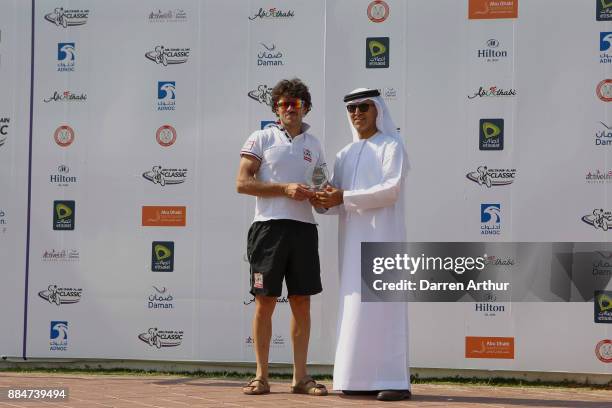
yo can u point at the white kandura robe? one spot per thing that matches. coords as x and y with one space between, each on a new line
372 347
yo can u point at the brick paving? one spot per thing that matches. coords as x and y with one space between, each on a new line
101 391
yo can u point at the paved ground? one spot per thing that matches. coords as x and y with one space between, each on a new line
99 391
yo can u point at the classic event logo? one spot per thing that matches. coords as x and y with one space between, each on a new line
485 176
168 16
165 135
272 14
269 56
67 17
166 95
604 90
603 10
165 176
64 136
162 256
61 179
490 219
378 11
160 299
489 347
491 52
599 219
603 351
377 52
598 177
63 215
493 92
60 255
162 338
66 96
263 94
168 56
61 296
4 126
602 302
164 216
58 337
66 56
491 134
492 9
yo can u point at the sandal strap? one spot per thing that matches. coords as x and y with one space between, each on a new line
262 381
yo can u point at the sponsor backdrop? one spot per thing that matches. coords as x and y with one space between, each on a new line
127 239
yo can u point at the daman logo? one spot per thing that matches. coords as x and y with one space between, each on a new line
168 56
67 17
484 176
599 219
163 176
160 299
61 296
269 56
162 338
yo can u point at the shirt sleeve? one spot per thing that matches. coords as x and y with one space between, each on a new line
385 193
253 146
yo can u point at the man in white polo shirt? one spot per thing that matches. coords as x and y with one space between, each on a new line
283 240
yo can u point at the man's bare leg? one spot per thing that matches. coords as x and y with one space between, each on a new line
300 334
262 332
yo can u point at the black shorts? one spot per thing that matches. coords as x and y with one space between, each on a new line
287 249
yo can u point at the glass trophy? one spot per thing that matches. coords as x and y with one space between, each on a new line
318 178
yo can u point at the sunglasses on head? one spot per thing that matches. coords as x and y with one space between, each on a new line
295 104
363 107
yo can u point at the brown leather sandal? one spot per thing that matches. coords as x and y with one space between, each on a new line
309 386
257 386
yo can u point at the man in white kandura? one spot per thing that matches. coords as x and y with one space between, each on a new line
368 195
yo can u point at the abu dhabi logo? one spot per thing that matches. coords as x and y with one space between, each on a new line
58 337
492 53
603 10
165 176
604 90
168 55
263 94
599 219
66 96
603 137
166 95
61 296
4 126
67 17
160 299
485 176
60 255
272 14
490 219
378 11
492 9
605 42
167 16
493 92
66 56
269 56
162 338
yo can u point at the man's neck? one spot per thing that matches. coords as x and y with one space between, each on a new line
367 134
294 130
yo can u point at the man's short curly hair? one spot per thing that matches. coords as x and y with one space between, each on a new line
293 88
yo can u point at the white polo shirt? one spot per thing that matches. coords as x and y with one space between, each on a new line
283 160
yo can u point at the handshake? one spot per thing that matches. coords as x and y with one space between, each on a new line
326 198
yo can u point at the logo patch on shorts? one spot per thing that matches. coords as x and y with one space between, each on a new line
258 280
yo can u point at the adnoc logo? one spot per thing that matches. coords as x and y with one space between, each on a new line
166 95
490 219
67 17
66 56
58 338
378 11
